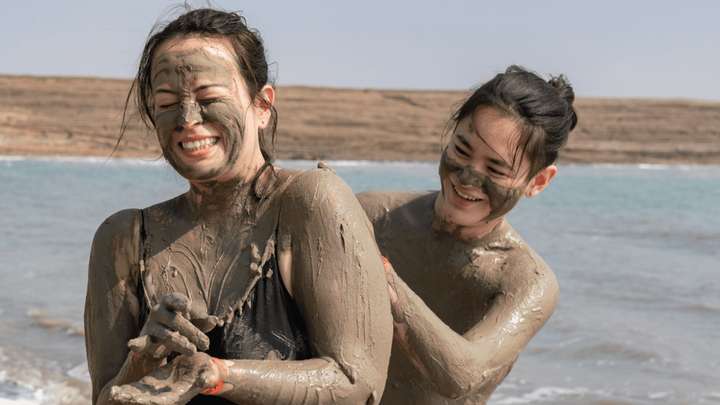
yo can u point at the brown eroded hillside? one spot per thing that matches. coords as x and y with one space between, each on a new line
81 116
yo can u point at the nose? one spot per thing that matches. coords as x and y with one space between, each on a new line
189 115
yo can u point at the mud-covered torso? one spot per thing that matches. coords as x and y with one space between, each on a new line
458 281
227 265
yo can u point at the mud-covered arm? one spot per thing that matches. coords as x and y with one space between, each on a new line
459 365
111 306
338 284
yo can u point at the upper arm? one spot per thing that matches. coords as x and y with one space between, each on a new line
337 276
111 304
526 300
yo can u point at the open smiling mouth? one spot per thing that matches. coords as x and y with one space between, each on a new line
198 145
464 196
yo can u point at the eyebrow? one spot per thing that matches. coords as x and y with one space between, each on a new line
207 86
464 141
163 70
196 89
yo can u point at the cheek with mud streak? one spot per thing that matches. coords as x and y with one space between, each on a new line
221 114
501 199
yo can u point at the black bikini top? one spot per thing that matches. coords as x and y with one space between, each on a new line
266 326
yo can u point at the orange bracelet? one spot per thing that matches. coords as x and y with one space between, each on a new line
219 386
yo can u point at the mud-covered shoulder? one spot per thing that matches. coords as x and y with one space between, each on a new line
307 189
527 274
378 204
115 245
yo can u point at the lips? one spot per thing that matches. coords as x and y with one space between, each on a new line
465 194
194 145
197 146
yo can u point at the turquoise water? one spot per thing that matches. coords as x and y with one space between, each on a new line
636 250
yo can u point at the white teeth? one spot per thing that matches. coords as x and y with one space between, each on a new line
465 196
201 144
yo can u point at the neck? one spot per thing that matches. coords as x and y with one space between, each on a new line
219 195
465 233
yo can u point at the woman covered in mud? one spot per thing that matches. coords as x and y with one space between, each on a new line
467 293
256 286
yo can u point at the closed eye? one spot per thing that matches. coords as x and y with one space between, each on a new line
209 100
460 151
492 170
168 105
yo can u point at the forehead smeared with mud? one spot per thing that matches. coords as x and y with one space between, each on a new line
191 61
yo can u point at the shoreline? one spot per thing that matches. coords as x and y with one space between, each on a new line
89 159
75 116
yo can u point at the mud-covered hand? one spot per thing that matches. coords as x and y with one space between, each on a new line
174 383
169 329
390 277
396 304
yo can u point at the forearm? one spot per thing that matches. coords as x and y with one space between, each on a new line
452 363
314 381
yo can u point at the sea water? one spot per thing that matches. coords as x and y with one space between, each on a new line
636 250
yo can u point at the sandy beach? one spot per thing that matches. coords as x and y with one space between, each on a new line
81 117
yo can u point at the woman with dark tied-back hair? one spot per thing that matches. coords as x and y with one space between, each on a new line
467 293
256 286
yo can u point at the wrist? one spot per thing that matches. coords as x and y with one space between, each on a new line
222 371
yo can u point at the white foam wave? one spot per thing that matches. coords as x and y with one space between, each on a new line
25 384
54 394
309 164
544 394
643 166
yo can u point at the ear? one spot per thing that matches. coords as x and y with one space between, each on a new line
263 104
540 181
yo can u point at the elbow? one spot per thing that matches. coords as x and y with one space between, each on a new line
362 386
473 382
455 389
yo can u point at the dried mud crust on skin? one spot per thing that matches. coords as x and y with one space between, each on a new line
81 116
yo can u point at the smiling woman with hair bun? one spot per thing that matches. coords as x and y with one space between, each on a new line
467 292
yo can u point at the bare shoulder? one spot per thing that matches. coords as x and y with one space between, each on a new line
116 239
118 226
313 184
379 203
526 273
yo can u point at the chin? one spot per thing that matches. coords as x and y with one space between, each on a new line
198 171
461 217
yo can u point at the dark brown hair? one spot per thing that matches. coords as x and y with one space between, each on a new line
543 109
207 22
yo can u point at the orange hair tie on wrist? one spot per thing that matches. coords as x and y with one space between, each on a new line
219 386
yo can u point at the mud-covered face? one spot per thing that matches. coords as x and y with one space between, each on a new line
481 178
201 108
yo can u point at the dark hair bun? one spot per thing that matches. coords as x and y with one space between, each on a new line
563 87
566 92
